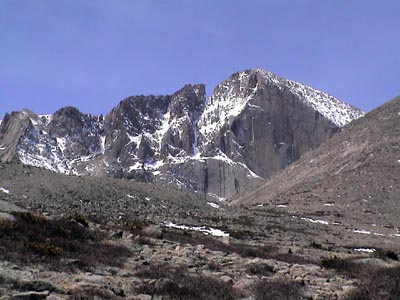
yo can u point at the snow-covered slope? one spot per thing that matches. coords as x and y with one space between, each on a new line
253 125
337 111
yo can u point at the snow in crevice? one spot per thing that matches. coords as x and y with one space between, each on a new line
195 138
102 144
163 128
47 119
226 103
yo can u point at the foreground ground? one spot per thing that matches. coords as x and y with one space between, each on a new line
93 238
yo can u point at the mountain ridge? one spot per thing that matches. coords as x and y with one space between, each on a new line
252 126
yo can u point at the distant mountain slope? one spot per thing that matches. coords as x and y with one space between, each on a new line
358 168
253 126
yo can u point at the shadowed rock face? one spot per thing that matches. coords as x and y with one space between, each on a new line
253 126
357 171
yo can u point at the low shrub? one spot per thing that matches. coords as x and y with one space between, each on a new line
386 254
94 293
315 245
260 269
346 266
80 219
177 283
278 289
381 284
19 285
214 266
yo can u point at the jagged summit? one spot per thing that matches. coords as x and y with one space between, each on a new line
252 126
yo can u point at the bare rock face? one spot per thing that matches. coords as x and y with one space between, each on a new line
13 127
265 122
253 125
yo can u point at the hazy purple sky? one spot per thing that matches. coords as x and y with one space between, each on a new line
92 54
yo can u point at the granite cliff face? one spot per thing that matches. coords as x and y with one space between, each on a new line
253 126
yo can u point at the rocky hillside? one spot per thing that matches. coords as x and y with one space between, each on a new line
253 125
356 172
86 237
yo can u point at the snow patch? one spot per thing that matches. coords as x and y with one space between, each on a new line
61 142
204 229
315 221
367 250
212 204
361 231
4 190
216 196
378 234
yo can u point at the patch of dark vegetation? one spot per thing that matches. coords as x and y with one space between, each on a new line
386 254
80 219
214 266
134 226
279 289
315 245
260 269
378 284
142 240
56 242
292 258
19 285
244 250
346 266
177 283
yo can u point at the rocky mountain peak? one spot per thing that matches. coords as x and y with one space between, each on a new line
252 126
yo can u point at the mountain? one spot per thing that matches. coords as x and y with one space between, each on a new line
357 172
252 126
